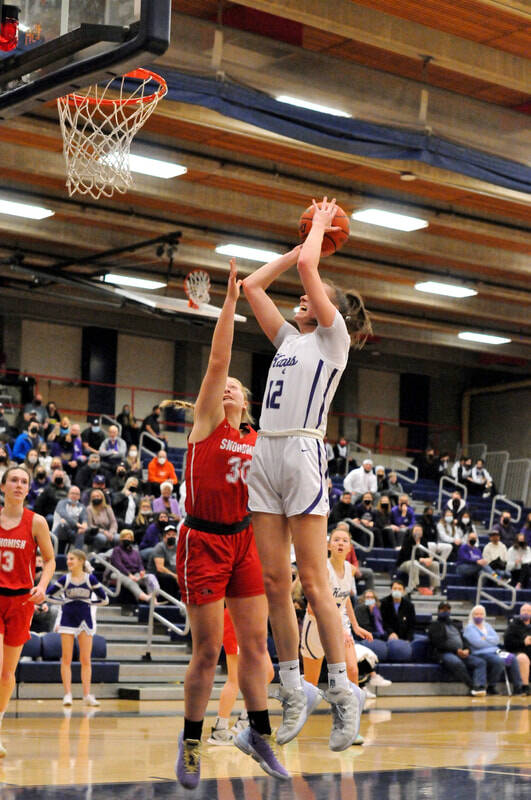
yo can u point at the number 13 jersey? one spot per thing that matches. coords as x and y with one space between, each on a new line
17 554
216 475
304 376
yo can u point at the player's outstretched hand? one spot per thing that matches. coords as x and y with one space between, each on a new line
233 284
324 214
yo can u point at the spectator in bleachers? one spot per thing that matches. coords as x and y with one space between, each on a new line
465 525
363 518
394 488
427 464
449 531
44 616
153 535
38 410
443 465
57 464
495 554
517 640
54 415
457 467
5 461
340 456
26 441
480 481
143 519
343 509
403 516
360 480
381 480
485 643
127 560
151 425
45 459
130 426
134 465
166 502
125 502
430 535
398 614
70 521
56 436
72 448
369 616
98 482
162 563
93 436
456 504
470 561
37 486
31 461
465 472
506 528
526 528
102 531
85 474
334 493
330 459
384 529
405 562
160 469
56 490
118 476
113 448
452 651
519 562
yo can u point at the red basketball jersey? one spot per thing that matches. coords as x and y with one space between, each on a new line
216 475
17 554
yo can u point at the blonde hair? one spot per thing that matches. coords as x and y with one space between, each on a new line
352 308
81 556
246 414
126 532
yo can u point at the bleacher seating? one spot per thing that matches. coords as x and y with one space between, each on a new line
45 664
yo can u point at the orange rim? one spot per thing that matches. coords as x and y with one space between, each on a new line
138 74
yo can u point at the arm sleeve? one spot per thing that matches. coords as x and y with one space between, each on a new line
99 591
474 638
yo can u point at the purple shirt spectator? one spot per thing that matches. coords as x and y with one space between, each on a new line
397 518
151 537
468 554
158 506
129 562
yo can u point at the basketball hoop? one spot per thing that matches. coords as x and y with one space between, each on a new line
196 286
98 130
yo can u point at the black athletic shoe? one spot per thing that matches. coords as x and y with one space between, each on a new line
492 690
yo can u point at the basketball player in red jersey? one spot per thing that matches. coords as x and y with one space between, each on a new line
217 557
21 533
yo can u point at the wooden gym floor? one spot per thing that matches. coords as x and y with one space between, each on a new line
447 747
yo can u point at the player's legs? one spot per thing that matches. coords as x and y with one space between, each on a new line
274 545
230 690
9 660
312 669
85 651
67 650
351 660
206 624
249 615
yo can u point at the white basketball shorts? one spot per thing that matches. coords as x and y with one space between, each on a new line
311 646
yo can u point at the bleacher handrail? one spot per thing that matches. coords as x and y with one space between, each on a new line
434 556
498 471
408 466
367 531
145 435
483 593
108 420
475 451
494 510
442 491
355 447
517 478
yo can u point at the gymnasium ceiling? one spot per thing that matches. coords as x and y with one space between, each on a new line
247 185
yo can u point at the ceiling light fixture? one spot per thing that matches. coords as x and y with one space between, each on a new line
24 210
125 280
387 219
251 253
446 289
155 167
484 338
296 101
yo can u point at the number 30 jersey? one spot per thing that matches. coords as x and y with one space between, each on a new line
304 376
17 554
216 475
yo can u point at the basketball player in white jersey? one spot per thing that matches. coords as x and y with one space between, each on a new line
287 480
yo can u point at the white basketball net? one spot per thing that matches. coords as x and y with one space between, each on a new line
98 128
196 286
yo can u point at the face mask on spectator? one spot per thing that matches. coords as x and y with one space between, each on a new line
97 501
385 506
520 542
161 459
444 615
3 458
448 518
32 459
396 594
64 430
472 542
94 465
478 620
525 617
505 520
38 402
33 431
95 429
40 475
370 601
170 541
120 472
133 453
127 545
465 520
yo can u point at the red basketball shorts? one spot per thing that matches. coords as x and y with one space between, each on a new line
16 612
211 566
230 643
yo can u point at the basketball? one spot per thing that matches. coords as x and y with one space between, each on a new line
333 240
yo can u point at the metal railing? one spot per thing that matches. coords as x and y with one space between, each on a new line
421 568
496 464
407 466
446 493
354 448
118 576
107 420
498 500
145 436
517 479
483 593
367 531
474 451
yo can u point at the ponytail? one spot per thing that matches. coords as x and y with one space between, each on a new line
247 419
351 307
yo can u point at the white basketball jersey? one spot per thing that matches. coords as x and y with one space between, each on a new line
304 376
341 589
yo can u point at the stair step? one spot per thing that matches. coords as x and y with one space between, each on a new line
152 671
126 651
159 692
55 690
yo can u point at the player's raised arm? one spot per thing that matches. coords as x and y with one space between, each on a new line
308 262
254 286
209 405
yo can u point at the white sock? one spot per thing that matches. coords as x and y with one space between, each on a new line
222 723
290 674
337 676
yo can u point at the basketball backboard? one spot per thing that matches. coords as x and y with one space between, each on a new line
64 45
